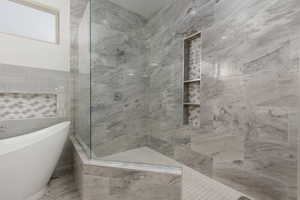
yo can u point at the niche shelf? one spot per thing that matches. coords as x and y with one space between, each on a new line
192 80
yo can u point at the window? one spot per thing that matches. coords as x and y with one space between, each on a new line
30 20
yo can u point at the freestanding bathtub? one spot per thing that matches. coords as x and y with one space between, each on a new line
27 162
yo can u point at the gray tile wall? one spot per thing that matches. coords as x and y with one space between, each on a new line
249 88
19 79
249 91
118 79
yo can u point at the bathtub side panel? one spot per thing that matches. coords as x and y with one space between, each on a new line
28 170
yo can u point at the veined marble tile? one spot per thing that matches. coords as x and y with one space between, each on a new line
221 148
293 130
118 82
116 183
255 185
272 159
249 89
119 144
196 160
288 88
270 124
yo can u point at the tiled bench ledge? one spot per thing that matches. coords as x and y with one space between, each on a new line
127 181
194 186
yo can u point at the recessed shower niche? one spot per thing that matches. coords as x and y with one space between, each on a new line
192 79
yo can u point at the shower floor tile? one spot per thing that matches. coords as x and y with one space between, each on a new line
195 185
62 188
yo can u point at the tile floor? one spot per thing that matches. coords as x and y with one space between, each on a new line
62 188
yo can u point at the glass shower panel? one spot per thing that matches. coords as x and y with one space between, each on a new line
80 67
118 80
247 92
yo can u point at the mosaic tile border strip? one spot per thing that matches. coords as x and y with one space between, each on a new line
18 106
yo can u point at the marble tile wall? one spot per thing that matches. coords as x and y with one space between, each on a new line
118 79
249 90
248 93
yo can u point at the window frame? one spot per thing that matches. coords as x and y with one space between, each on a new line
43 8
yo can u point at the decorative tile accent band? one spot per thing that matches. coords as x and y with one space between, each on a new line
14 106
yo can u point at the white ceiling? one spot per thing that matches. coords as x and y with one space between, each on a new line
145 8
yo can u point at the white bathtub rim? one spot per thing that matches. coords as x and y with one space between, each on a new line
38 195
13 144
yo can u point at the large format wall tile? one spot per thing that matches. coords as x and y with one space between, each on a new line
248 94
259 186
248 130
228 148
118 80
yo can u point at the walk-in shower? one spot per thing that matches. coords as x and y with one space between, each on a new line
231 122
